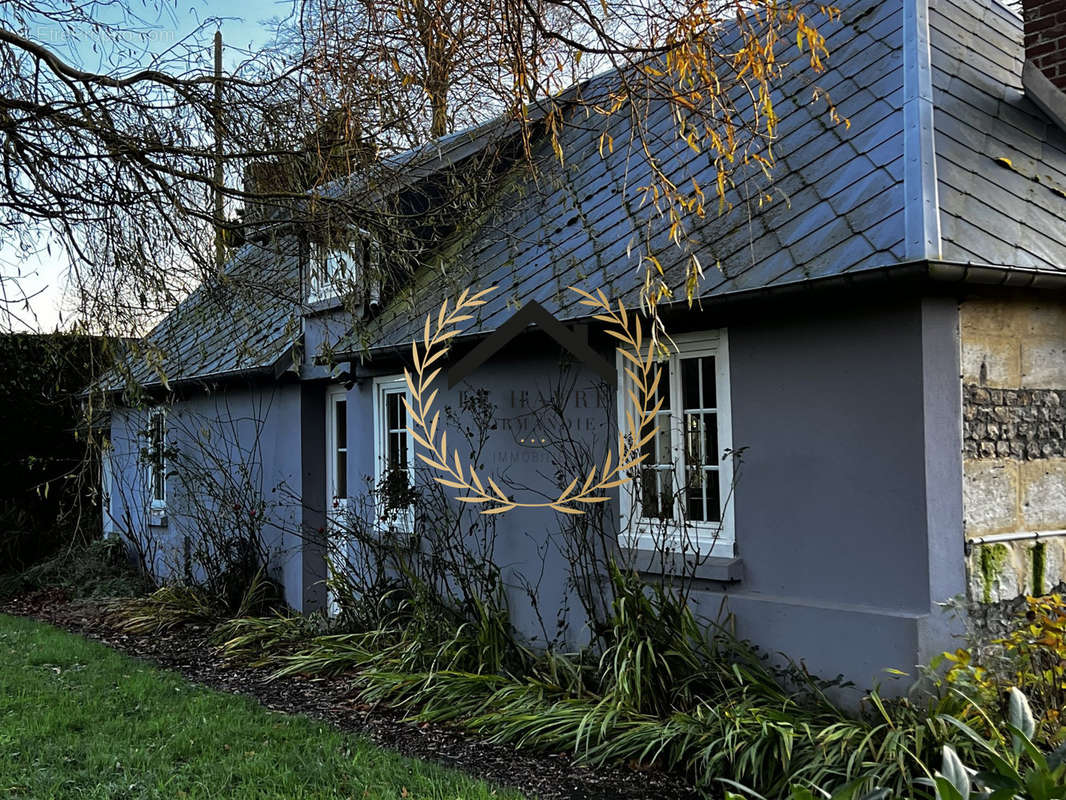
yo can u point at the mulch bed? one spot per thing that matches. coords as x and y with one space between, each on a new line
550 777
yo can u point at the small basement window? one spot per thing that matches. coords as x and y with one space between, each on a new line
680 498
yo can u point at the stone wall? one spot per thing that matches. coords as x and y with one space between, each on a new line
1014 442
1021 424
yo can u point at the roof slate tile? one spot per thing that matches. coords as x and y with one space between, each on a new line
583 223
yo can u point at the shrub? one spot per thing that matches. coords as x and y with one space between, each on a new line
100 568
47 463
1010 764
1031 657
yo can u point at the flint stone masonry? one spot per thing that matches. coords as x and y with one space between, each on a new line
1023 424
1013 357
995 619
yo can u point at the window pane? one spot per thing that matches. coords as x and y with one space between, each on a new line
392 403
714 497
694 495
342 475
657 494
693 439
657 449
663 390
340 410
157 456
710 395
397 455
663 441
690 382
712 455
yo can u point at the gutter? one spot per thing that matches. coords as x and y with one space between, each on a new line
996 275
916 271
249 372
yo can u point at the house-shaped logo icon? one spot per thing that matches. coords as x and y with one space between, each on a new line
532 314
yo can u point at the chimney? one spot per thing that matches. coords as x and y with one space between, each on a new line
1045 38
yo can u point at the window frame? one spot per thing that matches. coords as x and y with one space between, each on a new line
322 288
333 395
384 386
643 533
107 482
157 506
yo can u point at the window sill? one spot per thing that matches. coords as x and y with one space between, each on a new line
323 305
655 562
157 518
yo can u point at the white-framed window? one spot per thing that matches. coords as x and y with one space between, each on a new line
681 497
394 454
106 483
333 270
337 449
336 485
157 461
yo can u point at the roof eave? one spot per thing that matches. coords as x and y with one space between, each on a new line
919 270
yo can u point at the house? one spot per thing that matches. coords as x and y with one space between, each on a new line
870 390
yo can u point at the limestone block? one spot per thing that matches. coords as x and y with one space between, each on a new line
994 573
986 315
990 360
1043 361
1045 319
990 496
1043 492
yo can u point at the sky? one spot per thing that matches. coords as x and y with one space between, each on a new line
242 23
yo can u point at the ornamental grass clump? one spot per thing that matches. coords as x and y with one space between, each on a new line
165 609
661 691
176 605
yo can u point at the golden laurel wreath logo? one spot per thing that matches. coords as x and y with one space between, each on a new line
641 369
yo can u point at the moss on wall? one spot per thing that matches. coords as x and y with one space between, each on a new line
1039 555
992 559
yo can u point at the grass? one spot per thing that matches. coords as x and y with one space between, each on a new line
78 720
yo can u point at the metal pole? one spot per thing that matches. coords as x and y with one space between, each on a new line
220 245
1017 536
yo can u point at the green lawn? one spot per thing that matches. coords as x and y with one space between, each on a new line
78 720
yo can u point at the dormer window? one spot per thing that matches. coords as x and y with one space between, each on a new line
339 269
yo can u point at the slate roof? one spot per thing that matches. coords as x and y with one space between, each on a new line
581 223
400 170
1001 163
249 321
1001 180
245 322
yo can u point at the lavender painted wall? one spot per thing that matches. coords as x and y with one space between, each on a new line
848 516
254 426
848 501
